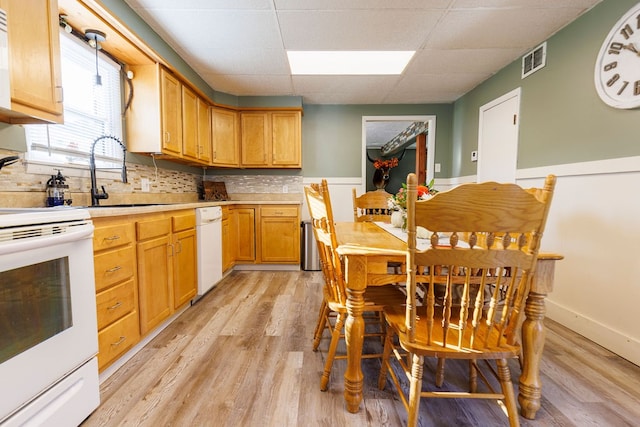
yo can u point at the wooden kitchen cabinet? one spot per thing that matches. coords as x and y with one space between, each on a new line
229 244
154 270
116 288
204 132
224 137
271 139
184 252
34 58
280 234
245 231
189 123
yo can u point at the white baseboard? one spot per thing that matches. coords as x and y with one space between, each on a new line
615 341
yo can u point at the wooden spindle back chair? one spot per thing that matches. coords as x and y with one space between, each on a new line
335 296
485 242
371 206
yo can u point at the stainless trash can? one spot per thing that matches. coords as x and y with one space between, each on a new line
309 257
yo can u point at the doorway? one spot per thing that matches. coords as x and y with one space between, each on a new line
395 125
498 138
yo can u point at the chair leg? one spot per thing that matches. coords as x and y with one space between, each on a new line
384 363
473 376
504 376
322 319
440 372
414 390
335 339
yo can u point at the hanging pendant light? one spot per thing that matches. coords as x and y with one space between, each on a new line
95 37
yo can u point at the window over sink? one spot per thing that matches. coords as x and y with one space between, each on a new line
90 110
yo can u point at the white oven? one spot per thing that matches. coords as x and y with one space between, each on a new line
48 330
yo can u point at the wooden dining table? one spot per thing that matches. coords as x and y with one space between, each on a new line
368 248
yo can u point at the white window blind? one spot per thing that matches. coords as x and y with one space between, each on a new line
90 110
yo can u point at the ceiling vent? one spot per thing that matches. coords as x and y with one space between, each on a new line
534 60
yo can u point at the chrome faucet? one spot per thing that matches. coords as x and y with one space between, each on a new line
97 195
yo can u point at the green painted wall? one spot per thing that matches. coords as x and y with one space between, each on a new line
332 136
562 120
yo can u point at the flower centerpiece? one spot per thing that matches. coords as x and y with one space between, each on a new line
398 202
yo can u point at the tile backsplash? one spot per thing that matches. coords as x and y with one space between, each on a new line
21 189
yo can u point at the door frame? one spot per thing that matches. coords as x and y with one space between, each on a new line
431 142
483 109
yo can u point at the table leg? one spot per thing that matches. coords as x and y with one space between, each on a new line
533 335
355 268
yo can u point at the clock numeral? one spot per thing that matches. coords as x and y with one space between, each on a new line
610 66
613 79
615 48
636 88
624 86
626 31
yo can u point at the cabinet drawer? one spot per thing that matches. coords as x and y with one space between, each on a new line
153 228
115 303
112 236
117 338
114 266
279 211
183 222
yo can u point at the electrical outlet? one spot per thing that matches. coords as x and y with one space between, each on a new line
474 156
285 188
144 183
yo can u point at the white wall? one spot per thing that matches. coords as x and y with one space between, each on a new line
340 190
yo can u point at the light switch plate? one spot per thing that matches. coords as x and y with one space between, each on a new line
437 167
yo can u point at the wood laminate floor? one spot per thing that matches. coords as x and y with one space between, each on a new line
242 356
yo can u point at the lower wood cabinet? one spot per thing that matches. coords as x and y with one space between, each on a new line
267 234
229 243
279 234
145 269
116 288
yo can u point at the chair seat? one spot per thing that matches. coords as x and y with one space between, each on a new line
396 319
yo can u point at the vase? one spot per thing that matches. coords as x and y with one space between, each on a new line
397 218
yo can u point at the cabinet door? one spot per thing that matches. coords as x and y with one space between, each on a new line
255 139
189 123
224 135
204 132
279 235
184 267
34 55
154 275
286 139
171 98
245 234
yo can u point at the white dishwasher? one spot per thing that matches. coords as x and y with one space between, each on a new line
209 237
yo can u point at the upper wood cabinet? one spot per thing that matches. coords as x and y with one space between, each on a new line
224 136
34 62
167 118
271 139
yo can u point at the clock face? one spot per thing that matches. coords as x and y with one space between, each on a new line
617 71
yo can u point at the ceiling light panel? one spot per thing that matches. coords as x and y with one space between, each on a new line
348 62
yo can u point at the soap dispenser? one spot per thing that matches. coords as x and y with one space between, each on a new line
55 191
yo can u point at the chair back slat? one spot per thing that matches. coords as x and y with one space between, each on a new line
371 206
477 268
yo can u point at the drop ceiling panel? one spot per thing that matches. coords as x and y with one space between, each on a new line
239 46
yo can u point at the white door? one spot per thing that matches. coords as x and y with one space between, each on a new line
498 138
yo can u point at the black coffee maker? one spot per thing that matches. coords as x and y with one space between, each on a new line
55 191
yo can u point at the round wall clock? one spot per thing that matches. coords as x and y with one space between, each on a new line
617 71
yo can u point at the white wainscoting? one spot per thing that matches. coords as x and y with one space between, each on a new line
340 190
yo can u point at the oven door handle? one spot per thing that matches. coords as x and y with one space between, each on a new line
80 232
